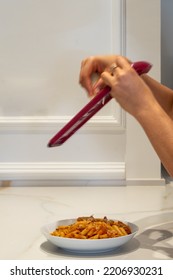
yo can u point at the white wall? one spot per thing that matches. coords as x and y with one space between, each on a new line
166 52
42 45
143 41
167 43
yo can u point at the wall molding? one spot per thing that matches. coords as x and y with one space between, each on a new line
112 120
115 121
62 171
119 20
45 124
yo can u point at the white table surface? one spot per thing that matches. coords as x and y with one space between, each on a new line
24 210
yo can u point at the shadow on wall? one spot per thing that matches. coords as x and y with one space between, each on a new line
165 175
166 55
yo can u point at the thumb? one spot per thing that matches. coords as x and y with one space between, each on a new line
107 78
98 86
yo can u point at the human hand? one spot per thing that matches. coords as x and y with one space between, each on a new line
130 91
91 66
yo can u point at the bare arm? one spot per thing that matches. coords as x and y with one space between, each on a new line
158 126
163 94
148 102
99 64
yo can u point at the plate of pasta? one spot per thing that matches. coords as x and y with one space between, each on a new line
89 234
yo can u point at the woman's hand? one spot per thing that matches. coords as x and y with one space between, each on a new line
127 87
92 65
129 90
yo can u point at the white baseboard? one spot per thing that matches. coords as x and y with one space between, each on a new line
69 173
62 171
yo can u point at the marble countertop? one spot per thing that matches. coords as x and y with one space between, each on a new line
24 210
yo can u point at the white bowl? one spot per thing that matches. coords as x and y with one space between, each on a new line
85 245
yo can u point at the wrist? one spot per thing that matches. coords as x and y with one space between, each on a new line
149 113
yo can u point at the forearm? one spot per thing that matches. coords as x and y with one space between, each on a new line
147 100
163 94
158 126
